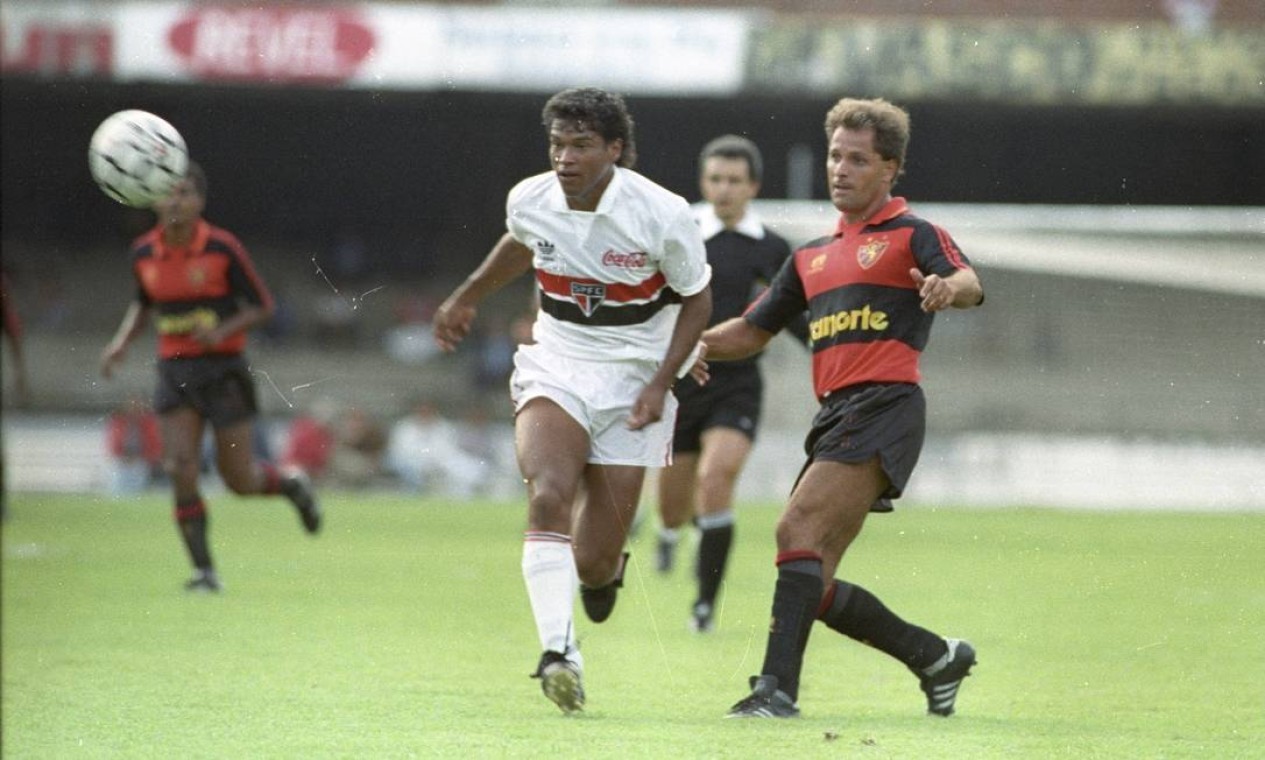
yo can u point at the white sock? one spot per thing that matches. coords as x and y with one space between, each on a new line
716 520
552 583
669 535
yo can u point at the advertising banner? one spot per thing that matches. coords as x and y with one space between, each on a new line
427 47
642 50
1017 62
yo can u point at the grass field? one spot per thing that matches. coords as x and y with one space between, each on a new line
404 631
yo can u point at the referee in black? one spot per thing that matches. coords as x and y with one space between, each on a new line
716 424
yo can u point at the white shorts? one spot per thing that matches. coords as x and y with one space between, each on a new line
599 395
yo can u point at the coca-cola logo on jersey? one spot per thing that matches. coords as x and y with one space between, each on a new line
634 260
274 44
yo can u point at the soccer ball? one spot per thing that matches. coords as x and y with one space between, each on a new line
136 157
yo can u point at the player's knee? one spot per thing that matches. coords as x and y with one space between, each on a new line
549 509
241 484
181 467
595 570
795 531
716 490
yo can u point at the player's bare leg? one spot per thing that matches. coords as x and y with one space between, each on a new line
182 447
724 453
552 451
677 486
244 473
612 493
824 516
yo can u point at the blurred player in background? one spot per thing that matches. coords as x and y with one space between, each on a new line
201 286
716 423
871 290
623 281
17 360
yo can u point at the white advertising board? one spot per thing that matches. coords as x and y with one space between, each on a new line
400 46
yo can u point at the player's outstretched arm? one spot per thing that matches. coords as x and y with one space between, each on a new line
696 310
506 262
134 320
960 290
247 317
735 338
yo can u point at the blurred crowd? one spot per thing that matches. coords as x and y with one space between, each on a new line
341 446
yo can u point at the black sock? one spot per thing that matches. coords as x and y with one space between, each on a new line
713 554
795 601
858 614
192 521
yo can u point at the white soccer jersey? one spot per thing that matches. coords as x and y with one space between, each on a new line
610 280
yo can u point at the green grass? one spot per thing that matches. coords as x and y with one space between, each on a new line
404 631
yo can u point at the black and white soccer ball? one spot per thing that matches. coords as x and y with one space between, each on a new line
136 157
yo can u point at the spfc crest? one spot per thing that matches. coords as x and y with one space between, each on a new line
588 296
870 253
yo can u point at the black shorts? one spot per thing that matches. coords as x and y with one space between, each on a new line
731 399
219 388
887 420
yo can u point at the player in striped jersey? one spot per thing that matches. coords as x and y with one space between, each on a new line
200 287
871 290
622 279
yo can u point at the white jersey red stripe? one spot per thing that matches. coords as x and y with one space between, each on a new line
560 286
610 279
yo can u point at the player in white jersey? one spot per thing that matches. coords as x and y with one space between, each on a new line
623 281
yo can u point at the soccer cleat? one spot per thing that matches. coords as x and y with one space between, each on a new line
766 701
297 487
665 556
599 602
701 617
204 582
941 686
560 681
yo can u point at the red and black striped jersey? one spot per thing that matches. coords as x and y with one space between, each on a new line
865 318
196 286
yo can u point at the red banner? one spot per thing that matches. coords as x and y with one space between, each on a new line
289 44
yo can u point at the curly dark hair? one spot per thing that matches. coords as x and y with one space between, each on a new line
603 112
889 122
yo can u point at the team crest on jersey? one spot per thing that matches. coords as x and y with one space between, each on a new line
588 296
869 253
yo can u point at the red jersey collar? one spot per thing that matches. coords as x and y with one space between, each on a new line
892 209
201 231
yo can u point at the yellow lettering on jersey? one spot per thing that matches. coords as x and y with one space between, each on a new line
189 321
862 319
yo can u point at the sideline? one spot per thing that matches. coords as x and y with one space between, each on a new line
65 453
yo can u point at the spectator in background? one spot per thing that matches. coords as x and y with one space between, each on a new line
494 356
17 356
134 445
309 442
360 443
424 451
14 333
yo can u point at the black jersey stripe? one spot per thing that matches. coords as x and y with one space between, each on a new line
605 315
